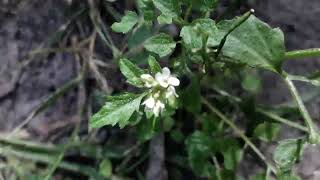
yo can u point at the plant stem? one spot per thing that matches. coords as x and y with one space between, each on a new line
313 135
282 120
240 133
315 52
262 111
304 79
188 13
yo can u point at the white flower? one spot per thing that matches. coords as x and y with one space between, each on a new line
171 91
159 106
148 80
165 78
155 105
162 90
150 102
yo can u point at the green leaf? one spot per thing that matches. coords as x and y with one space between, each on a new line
147 128
228 175
191 38
232 153
131 72
169 8
139 36
117 110
252 83
105 168
126 24
161 44
267 131
253 43
260 176
211 125
191 96
288 152
204 5
194 35
199 151
148 10
163 19
154 65
285 175
177 135
167 124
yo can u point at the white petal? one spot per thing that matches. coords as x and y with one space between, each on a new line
148 80
148 85
173 81
150 102
166 72
171 92
146 77
159 106
162 80
156 111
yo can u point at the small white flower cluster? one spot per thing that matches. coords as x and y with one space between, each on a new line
162 89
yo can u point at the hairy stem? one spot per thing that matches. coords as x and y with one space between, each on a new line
315 52
313 135
239 132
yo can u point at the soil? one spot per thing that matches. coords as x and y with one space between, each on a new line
25 25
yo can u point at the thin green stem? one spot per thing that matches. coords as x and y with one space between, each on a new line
304 79
216 164
186 16
307 53
262 111
281 120
313 135
240 133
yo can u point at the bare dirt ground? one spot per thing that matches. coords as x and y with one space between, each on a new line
25 25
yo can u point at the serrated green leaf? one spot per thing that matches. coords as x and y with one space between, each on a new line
117 110
154 65
288 152
127 22
267 131
199 150
253 43
169 8
161 44
131 72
